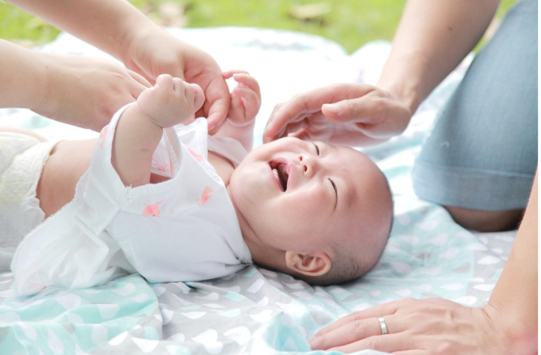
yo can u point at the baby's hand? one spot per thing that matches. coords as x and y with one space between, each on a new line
171 101
245 98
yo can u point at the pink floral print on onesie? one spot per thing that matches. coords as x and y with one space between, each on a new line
103 134
163 168
153 210
205 197
194 154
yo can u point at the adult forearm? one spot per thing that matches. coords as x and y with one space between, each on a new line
515 295
22 75
106 24
431 40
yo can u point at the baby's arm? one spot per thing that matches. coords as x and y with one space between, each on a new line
171 101
245 103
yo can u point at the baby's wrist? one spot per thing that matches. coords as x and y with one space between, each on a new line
240 124
142 117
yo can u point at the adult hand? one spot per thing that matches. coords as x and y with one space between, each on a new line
85 91
428 326
153 51
351 114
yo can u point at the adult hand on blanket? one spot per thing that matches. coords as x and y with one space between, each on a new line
350 114
153 51
428 326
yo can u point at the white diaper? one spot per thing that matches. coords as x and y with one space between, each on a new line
22 158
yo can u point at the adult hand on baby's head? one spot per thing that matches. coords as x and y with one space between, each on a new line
245 98
85 91
153 51
351 114
171 101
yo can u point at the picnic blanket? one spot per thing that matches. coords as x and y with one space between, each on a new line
258 311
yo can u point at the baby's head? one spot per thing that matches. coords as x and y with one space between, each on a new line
321 213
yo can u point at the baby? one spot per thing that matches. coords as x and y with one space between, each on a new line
166 200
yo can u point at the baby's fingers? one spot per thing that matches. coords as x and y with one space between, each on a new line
249 99
229 73
165 80
243 78
248 81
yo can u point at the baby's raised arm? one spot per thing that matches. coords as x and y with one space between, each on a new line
171 101
245 103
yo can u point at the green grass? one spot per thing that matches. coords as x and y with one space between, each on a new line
350 22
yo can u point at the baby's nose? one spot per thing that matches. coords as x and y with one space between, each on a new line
307 164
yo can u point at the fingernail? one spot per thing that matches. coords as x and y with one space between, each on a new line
312 342
211 127
334 108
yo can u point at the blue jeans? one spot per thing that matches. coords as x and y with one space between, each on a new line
482 153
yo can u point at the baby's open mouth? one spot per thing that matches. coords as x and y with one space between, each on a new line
280 171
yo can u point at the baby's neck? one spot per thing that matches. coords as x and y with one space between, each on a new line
223 167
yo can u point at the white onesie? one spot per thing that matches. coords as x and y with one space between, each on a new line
182 229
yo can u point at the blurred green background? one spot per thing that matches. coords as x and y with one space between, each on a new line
348 22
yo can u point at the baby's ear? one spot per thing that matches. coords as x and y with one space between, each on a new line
314 264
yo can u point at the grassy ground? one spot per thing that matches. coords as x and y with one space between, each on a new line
348 22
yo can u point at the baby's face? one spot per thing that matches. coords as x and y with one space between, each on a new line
297 195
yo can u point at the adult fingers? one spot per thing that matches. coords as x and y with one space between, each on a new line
136 87
367 109
139 78
346 334
383 310
356 331
282 115
136 69
229 73
266 138
311 102
300 134
296 129
217 103
412 352
385 343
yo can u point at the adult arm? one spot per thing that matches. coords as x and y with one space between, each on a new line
506 325
431 40
46 82
118 28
